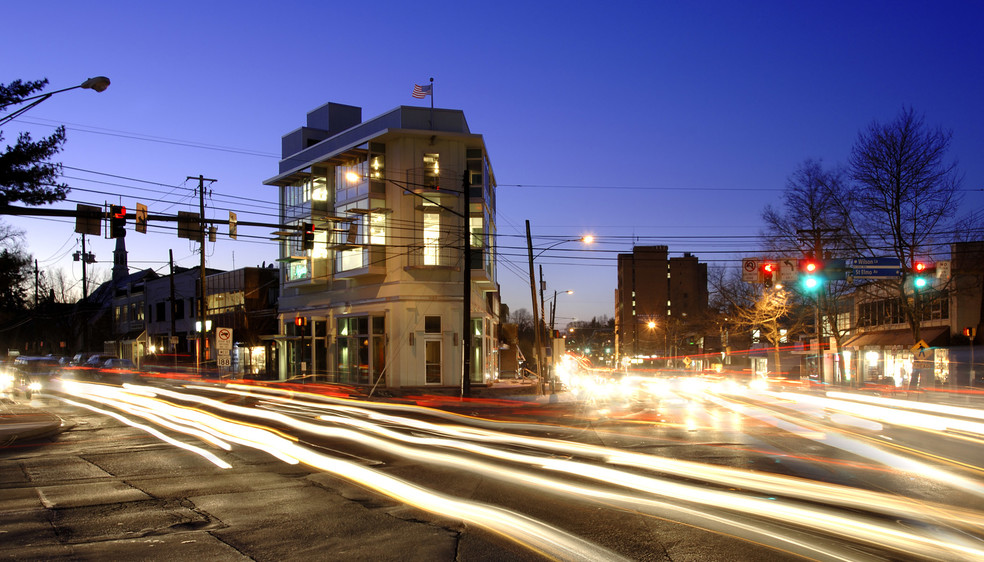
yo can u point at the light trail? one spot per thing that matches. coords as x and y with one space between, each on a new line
858 528
832 438
524 530
197 450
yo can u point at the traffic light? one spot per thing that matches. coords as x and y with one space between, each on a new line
811 273
922 272
769 270
308 236
117 221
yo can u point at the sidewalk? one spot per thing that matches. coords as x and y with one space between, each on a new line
21 422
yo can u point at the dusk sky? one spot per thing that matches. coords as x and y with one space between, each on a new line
641 123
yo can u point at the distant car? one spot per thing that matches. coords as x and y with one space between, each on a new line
98 360
80 358
117 363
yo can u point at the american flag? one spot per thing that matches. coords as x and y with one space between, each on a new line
420 92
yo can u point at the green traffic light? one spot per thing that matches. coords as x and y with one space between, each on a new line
811 282
919 282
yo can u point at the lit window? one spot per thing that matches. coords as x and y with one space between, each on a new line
320 250
377 228
432 170
432 238
376 167
477 231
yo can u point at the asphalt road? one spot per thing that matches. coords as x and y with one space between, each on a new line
691 474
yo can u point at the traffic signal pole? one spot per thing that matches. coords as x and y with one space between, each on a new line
203 291
816 240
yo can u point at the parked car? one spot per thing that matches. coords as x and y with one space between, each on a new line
97 361
117 363
80 359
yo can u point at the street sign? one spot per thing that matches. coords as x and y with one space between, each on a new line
876 273
919 350
223 361
788 269
140 219
750 271
88 219
223 338
943 270
874 263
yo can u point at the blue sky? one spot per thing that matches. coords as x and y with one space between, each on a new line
639 122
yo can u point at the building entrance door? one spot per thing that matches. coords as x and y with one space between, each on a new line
432 361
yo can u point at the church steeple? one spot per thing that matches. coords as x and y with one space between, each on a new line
120 268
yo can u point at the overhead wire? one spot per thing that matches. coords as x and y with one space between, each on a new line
264 207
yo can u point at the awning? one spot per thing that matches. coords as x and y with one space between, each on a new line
934 337
135 335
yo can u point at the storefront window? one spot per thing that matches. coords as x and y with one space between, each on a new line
356 357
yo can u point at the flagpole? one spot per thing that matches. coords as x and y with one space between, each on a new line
432 104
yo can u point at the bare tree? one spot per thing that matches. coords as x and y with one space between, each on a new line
907 198
813 222
64 289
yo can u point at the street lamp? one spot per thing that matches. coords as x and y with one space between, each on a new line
553 307
98 84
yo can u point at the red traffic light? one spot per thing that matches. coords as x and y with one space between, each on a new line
919 267
809 266
769 269
307 232
117 221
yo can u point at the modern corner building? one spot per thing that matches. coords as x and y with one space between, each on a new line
659 303
372 261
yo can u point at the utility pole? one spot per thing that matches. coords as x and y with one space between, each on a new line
174 347
85 299
547 338
536 313
466 328
203 291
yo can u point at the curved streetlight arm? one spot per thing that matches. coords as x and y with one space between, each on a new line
98 84
585 239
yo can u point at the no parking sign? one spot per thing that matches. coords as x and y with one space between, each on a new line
223 338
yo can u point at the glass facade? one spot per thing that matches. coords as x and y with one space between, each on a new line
356 226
